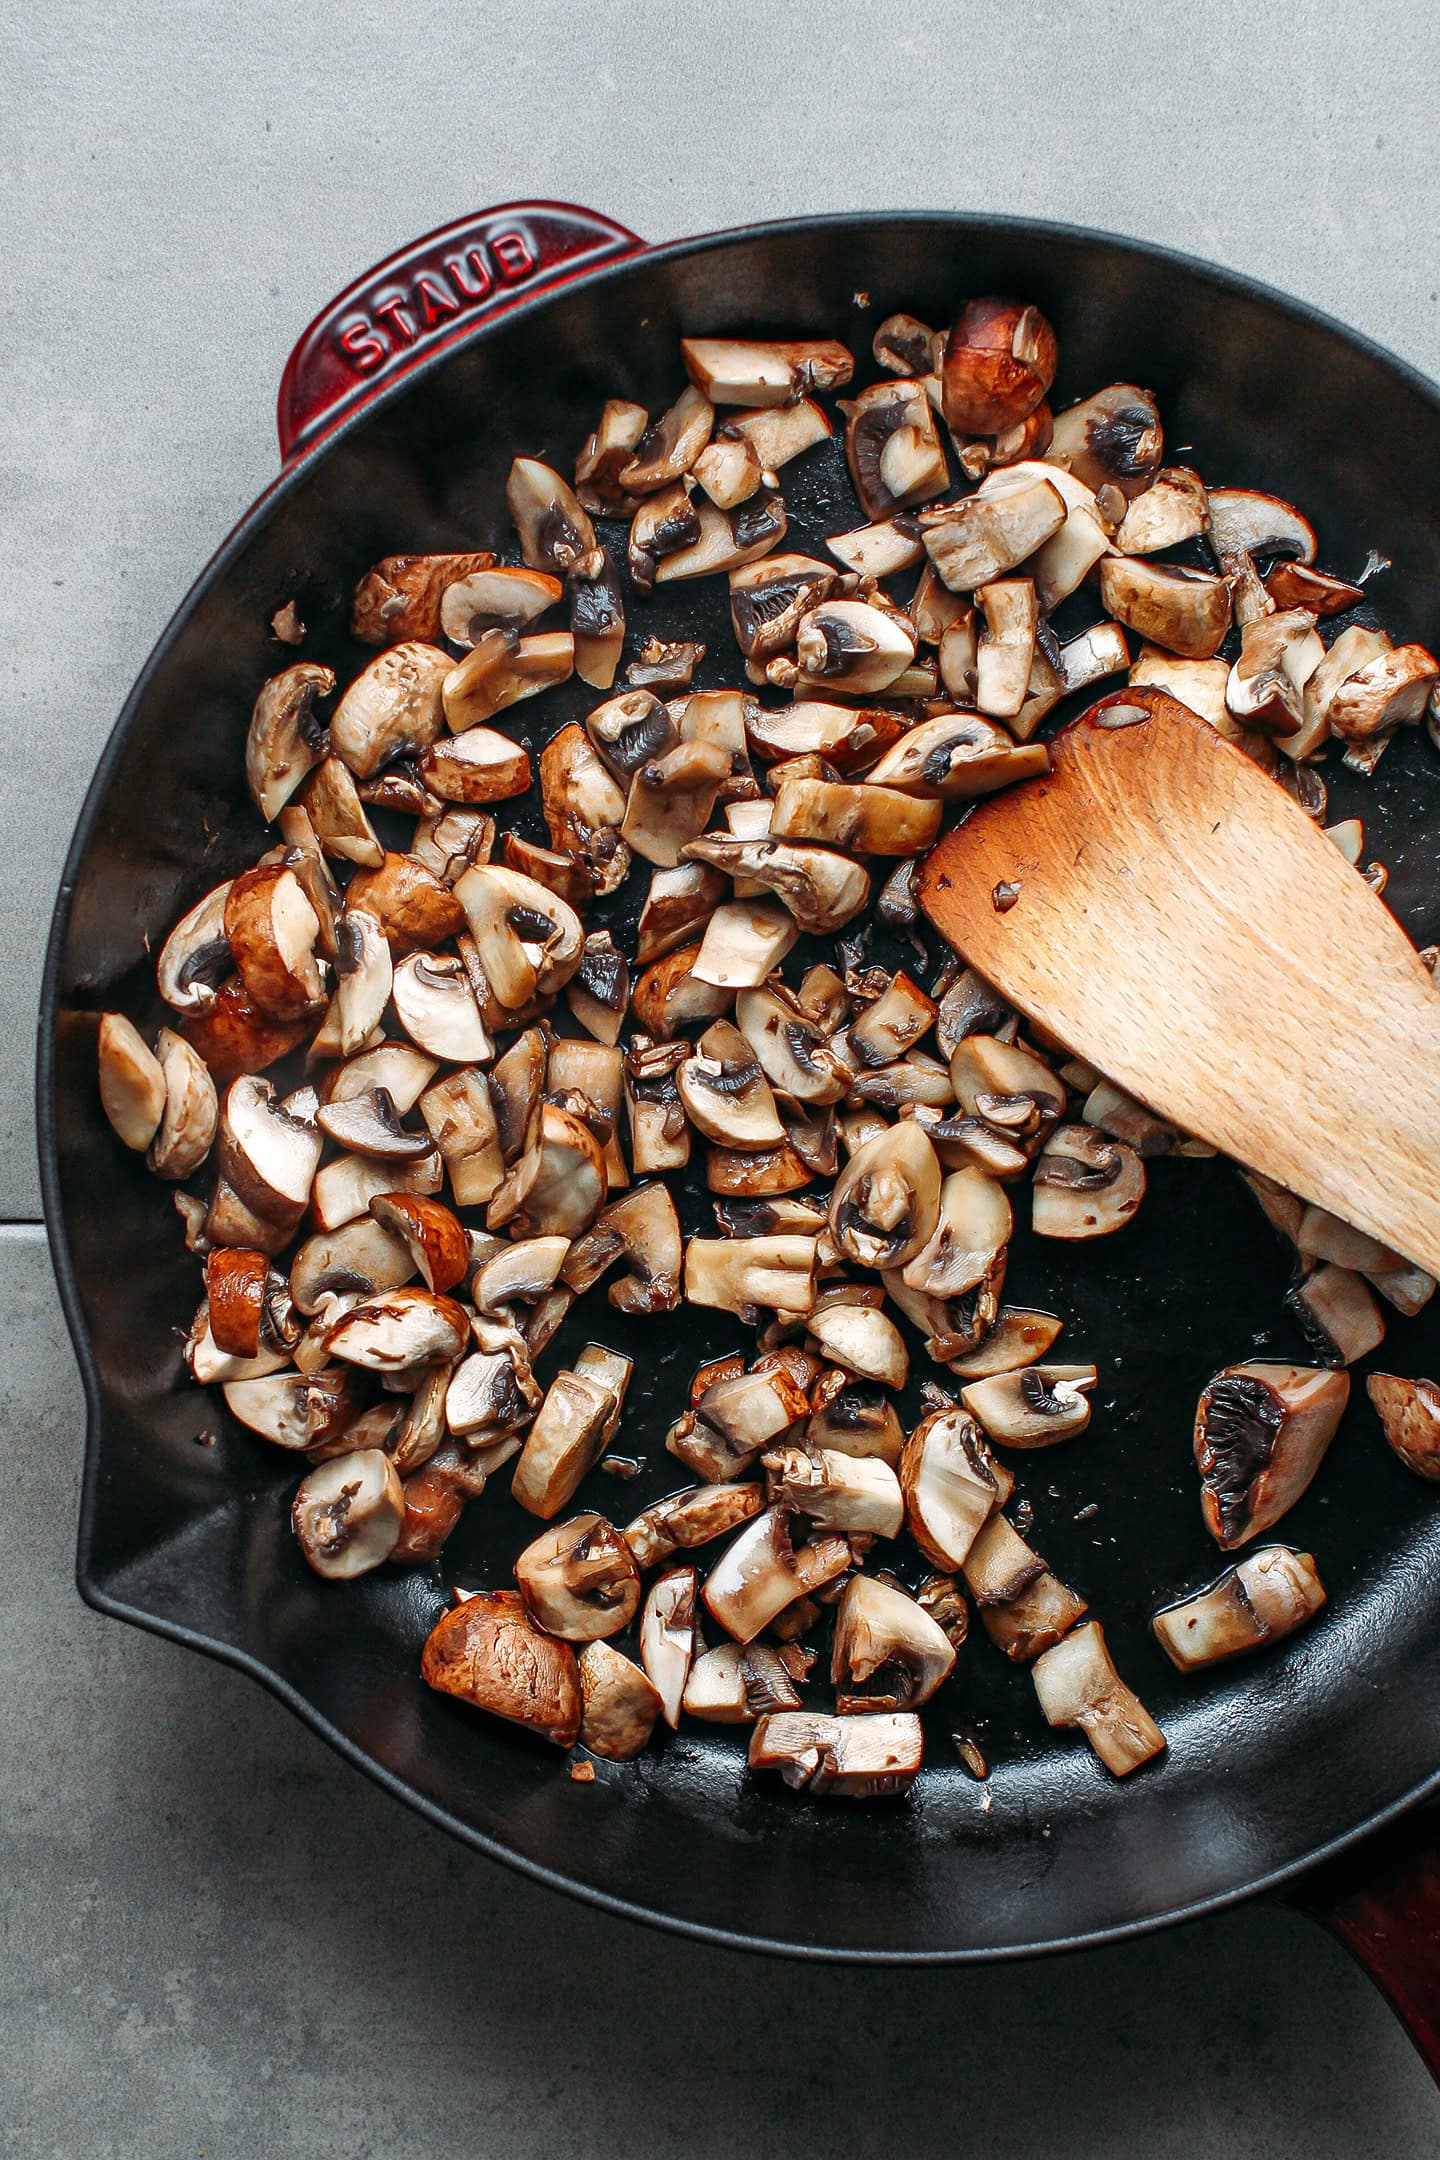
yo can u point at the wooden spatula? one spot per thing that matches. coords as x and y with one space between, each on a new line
1175 918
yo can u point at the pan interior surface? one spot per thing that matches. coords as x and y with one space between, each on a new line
185 1523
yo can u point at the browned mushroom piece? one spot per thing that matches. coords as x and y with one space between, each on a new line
495 598
1173 508
402 596
554 531
528 940
286 735
1186 611
1300 585
888 1652
619 1703
1034 1407
1086 1184
413 907
951 1485
734 1419
1278 654
823 889
763 1570
724 539
691 1518
1246 522
859 1494
1113 438
337 816
729 468
400 1332
489 1652
858 817
272 931
311 1413
886 1202
769 599
670 445
893 448
1260 1600
1338 1314
393 708
1409 1412
347 1514
1023 1607
641 1228
748 1276
579 1580
998 364
606 451
1077 1684
668 1638
597 618
854 1417
750 371
957 755
872 1757
133 1090
573 1427
1261 1431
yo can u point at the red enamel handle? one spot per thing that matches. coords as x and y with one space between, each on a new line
1383 1902
428 295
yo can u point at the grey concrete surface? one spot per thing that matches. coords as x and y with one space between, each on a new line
217 1938
183 182
220 1940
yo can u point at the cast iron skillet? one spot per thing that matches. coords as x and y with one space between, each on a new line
399 414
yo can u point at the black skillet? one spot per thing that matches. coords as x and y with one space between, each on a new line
399 413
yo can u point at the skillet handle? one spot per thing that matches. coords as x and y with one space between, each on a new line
428 295
1382 1901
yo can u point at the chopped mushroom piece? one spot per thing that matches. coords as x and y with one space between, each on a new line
572 1429
502 669
1338 1313
528 940
886 1203
969 1238
955 756
579 1580
748 1276
489 1652
667 1638
286 735
853 1332
268 1150
744 941
400 1331
999 362
951 1485
1034 1407
1245 522
893 448
435 1005
619 1703
461 1119
726 538
1261 1431
725 1093
858 1494
347 1514
1077 1684
715 1691
495 598
670 445
394 709
1260 1600
853 645
554 531
854 1417
403 596
875 1757
1023 1608
729 469
857 816
133 1091
1007 646
764 1570
752 371
691 1518
734 1418
888 1652
1113 438
1409 1411
769 598
1086 1184
272 931
1186 611
822 889
977 539
1173 508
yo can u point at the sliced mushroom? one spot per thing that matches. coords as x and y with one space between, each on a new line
1298 585
1018 1338
402 597
413 908
892 447
1086 1184
492 1395
1174 507
619 1703
557 1187
337 815
671 797
1023 1608
1006 647
195 958
554 531
435 1005
133 1090
726 538
787 1046
500 670
854 816
822 889
998 364
1409 1411
1243 521
643 1229
1387 691
272 930
886 1202
763 1570
668 1638
663 525
1338 1315
956 756
480 766
520 1273
461 1119
725 1093
1261 1431
268 1150
770 598
1077 1684
1278 655
880 550
1186 611
392 709
744 941
495 598
286 735
1259 1601
875 1757
846 736
733 1419
670 445
977 539
432 1235
950 1484
748 1276
971 1231
579 1580
573 1427
888 1653
1032 1408
729 469
400 1332
597 618
715 1690
851 1331
347 1514
858 1494
528 940
1008 1085
487 1651
753 371
691 1518
1113 438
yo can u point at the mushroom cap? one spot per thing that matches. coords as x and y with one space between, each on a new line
347 1514
886 1202
1086 1184
285 735
999 362
950 1485
620 1703
392 709
886 1638
579 1579
489 1652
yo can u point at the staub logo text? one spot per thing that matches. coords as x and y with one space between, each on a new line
432 295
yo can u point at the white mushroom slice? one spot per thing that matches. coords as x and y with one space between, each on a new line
744 942
679 904
763 1570
337 815
573 1427
480 766
670 445
1006 646
554 531
1387 691
492 1393
855 1417
971 1231
860 1338
822 889
1061 563
667 1638
858 1494
752 371
888 1653
728 469
1245 522
404 1073
788 1046
880 550
495 598
392 709
133 1091
1338 1314
359 1259
400 1331
519 1273
747 1276
1173 508
1111 438
715 1691
893 448
1023 1608
1409 1411
195 958
191 1112
725 1093
364 977
1018 1338
285 735
950 1485
461 1119
1032 1408
875 1757
733 1419
783 432
268 1150
272 929
487 1651
1007 1085
295 1410
1278 655
853 816
1077 1684
500 670
347 1514
1261 1432
977 539
768 600
1259 1601
1086 1184
579 1579
848 737
1186 611
727 538
1200 684
529 941
557 1187
1092 655
447 844
435 1005
886 1202
956 756
620 1703
671 798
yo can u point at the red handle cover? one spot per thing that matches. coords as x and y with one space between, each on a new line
1383 1902
429 294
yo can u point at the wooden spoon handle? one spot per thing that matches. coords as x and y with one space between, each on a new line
1382 1900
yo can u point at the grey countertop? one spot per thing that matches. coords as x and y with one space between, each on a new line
218 1938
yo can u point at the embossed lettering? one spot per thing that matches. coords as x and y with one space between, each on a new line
433 303
512 251
404 333
362 347
475 257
